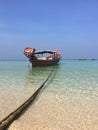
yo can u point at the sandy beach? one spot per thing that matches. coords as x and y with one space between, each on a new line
52 112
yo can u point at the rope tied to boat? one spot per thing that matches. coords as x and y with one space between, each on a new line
5 123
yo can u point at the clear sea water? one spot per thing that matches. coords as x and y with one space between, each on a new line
68 102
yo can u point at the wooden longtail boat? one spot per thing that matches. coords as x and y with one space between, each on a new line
42 58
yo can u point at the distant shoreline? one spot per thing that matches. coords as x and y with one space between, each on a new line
79 59
82 59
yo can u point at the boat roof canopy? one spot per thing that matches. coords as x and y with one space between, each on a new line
45 51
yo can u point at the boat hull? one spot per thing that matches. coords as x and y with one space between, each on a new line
44 62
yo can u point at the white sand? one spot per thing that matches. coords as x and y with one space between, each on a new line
59 112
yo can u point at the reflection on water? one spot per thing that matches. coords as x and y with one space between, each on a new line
37 75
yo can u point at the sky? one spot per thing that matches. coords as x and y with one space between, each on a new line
70 25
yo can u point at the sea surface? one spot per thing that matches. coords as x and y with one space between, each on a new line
69 100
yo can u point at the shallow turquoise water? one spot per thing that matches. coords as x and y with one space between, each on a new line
72 80
69 73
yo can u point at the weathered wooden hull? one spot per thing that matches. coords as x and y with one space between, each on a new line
44 62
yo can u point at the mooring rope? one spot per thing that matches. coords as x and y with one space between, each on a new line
5 123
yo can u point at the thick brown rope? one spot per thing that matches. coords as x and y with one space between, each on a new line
5 123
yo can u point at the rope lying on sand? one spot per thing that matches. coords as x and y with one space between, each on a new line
5 123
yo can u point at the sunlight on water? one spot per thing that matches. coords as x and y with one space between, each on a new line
69 101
